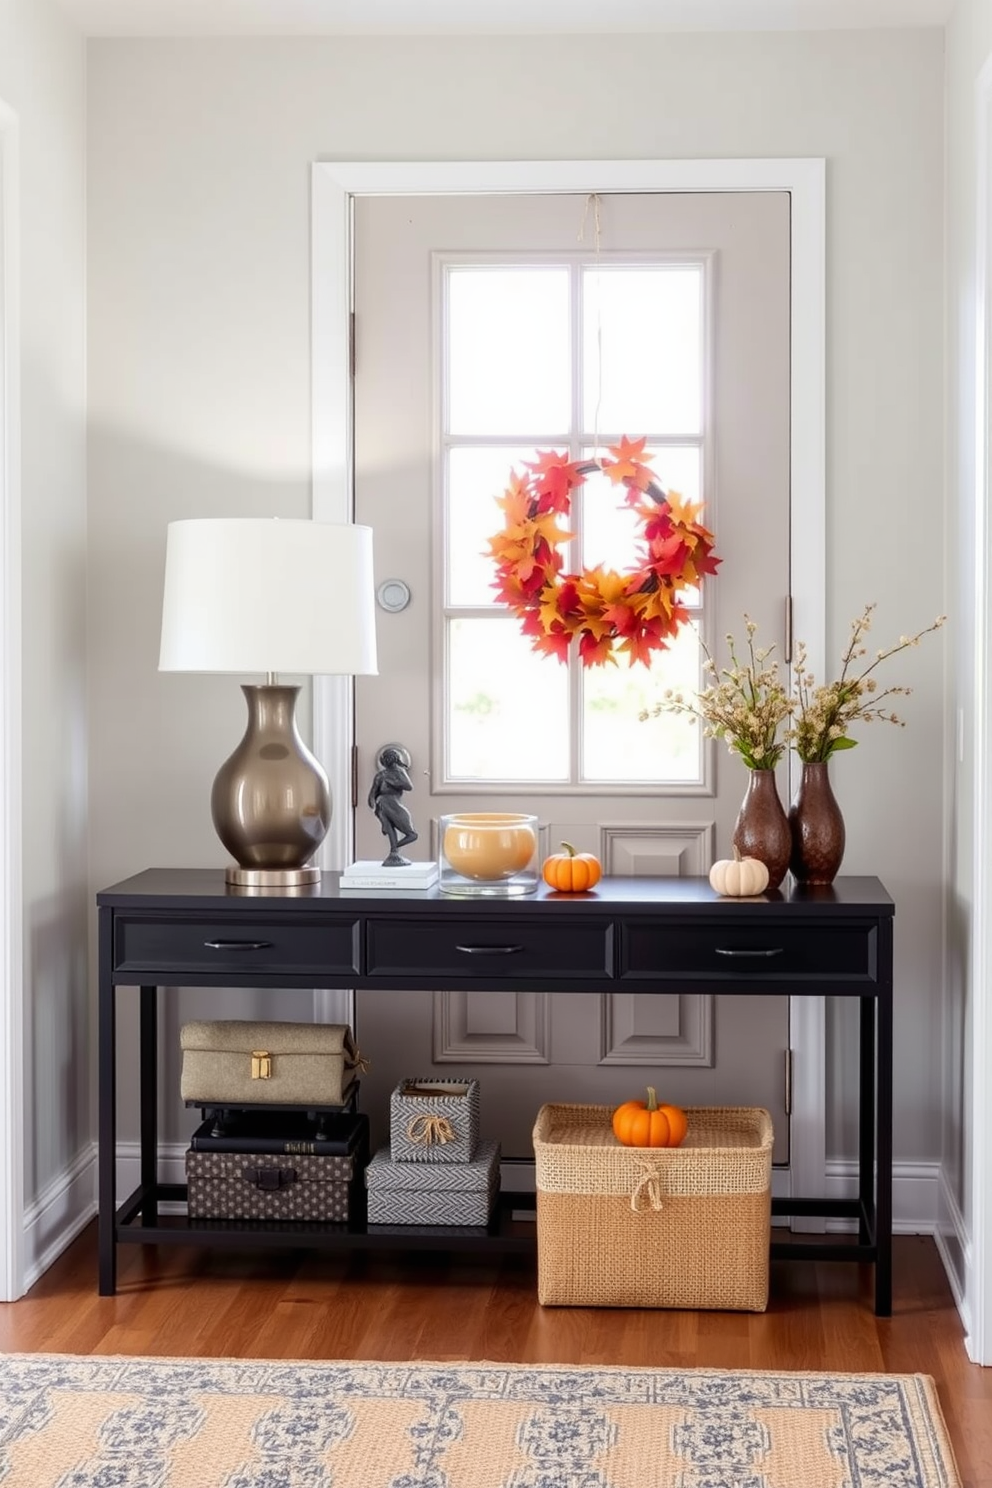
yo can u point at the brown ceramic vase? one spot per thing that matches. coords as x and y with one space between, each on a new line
762 829
817 828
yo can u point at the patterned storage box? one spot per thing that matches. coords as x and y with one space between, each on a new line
267 1185
434 1121
685 1226
449 1194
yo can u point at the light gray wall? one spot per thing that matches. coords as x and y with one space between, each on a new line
199 155
42 78
969 44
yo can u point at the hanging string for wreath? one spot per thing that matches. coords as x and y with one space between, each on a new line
633 613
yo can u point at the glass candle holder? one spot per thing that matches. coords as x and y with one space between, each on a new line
488 853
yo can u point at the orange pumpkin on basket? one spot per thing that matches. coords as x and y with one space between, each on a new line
572 872
647 1124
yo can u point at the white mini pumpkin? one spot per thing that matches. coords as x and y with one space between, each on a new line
739 878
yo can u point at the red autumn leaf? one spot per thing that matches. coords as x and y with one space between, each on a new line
621 617
668 555
555 476
596 650
553 643
640 646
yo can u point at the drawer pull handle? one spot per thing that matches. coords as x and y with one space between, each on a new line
774 951
238 945
488 950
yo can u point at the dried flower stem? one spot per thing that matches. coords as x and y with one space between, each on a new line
745 705
822 716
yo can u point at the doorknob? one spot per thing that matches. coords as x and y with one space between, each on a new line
393 595
401 752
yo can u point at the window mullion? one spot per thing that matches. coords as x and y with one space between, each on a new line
576 365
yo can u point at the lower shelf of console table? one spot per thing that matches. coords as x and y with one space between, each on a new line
138 1222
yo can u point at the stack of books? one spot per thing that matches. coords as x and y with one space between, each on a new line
370 874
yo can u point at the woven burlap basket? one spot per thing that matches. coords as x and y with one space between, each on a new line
681 1226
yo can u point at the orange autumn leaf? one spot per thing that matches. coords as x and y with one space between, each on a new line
627 464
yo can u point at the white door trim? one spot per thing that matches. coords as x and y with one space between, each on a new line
12 1050
979 1282
334 184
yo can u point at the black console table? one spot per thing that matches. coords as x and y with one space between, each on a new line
183 927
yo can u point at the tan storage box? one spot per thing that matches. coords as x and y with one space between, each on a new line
681 1226
237 1063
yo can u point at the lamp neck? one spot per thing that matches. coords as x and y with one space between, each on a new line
272 679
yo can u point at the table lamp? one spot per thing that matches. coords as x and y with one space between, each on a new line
264 595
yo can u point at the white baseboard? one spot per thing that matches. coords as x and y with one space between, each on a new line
54 1219
915 1195
955 1250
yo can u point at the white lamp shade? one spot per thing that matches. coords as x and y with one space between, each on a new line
260 594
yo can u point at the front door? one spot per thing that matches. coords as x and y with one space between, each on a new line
488 329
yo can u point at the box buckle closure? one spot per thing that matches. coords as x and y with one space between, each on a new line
261 1064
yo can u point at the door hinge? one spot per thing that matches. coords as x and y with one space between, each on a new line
788 1082
787 652
351 343
354 777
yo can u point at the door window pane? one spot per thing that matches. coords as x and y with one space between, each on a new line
504 703
642 348
476 475
617 746
509 351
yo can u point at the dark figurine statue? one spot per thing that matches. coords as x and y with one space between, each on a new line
386 800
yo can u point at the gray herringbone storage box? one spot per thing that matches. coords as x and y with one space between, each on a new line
434 1121
685 1226
266 1185
444 1194
233 1062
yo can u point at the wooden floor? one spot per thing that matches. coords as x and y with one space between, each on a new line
276 1305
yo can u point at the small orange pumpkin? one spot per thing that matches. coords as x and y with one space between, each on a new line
572 872
641 1123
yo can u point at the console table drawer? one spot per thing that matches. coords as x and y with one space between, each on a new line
489 949
226 946
842 952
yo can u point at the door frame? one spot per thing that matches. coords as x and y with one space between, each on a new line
334 186
978 1119
12 1052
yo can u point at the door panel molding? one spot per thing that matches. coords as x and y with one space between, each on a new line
661 850
335 185
689 1043
461 1037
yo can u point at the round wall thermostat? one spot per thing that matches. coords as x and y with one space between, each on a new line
393 595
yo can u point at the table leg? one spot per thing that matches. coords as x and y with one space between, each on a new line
107 1135
883 1158
148 1071
867 1221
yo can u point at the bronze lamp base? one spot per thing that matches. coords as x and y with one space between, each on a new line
271 803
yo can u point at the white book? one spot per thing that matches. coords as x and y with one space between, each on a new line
370 874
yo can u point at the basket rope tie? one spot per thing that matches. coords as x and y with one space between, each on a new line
648 1192
424 1131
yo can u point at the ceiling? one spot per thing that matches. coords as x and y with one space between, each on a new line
489 17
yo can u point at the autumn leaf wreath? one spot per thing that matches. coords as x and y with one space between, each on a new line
633 613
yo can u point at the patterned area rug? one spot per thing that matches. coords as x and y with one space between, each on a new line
68 1422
